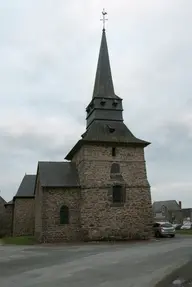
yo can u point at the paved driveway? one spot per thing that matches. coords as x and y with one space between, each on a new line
92 265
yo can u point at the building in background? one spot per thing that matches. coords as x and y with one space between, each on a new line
172 211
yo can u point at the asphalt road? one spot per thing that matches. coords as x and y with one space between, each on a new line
93 265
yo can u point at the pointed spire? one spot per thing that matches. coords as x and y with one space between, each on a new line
105 105
103 81
104 114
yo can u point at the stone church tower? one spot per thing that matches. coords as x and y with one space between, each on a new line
102 191
115 193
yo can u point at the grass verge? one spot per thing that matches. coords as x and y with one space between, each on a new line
21 240
184 231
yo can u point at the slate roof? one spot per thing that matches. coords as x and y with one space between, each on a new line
170 204
103 79
111 131
100 131
105 105
58 174
26 188
105 111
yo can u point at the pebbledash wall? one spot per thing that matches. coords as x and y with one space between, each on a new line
24 216
100 218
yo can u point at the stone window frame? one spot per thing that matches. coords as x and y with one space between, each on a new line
117 194
123 198
64 215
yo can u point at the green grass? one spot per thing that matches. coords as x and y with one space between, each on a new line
21 240
184 231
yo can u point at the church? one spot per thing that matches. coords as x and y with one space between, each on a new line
101 190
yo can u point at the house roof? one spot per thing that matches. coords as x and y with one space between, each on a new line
170 204
26 188
58 174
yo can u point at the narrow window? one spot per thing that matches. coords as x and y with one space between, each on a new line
117 194
64 215
113 151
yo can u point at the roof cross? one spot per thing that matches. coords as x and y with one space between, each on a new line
104 13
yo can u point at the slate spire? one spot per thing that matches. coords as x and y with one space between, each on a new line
104 114
105 105
103 80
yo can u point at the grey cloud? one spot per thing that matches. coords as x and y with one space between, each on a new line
20 155
48 61
30 142
169 163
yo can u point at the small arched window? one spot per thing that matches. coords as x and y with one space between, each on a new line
64 215
115 168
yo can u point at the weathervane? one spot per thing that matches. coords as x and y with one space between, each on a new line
104 13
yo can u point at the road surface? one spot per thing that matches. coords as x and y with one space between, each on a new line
93 265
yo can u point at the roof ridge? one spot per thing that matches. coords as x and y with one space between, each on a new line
51 161
31 174
165 200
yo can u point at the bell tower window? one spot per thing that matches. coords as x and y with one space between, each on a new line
113 151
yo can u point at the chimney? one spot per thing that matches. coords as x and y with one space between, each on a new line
180 205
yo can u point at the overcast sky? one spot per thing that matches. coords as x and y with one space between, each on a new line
48 56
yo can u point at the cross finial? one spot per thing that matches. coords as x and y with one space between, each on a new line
104 13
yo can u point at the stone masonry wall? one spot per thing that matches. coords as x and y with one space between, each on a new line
24 217
9 219
38 211
2 218
53 200
94 164
99 217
